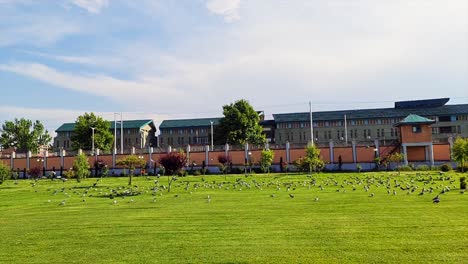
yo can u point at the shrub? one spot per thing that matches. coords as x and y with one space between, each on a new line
405 168
237 170
423 168
4 172
197 173
35 172
446 167
463 183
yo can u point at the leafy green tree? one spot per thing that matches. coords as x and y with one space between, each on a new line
4 172
396 158
266 159
460 152
24 135
81 167
82 135
239 125
131 163
173 163
313 158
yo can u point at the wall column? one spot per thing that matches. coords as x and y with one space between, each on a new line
28 160
405 154
187 150
450 141
12 160
114 156
353 145
332 156
431 154
377 146
226 149
288 157
207 156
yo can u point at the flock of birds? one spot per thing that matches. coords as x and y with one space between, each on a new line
371 185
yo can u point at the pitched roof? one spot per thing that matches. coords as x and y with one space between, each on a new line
414 119
68 127
422 103
196 122
461 109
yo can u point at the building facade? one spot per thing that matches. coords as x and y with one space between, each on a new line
368 125
137 134
182 132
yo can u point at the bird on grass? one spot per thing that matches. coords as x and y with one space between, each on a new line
291 195
372 195
273 195
62 202
316 199
436 199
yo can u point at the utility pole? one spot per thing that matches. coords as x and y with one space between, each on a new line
311 124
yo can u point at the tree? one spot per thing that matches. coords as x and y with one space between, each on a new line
4 172
81 167
224 162
131 163
396 158
24 135
266 159
173 163
239 125
313 158
460 152
82 137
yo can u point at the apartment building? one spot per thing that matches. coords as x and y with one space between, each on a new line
139 134
368 125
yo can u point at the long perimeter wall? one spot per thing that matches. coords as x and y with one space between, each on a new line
330 155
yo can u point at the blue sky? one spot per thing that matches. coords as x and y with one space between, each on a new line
163 59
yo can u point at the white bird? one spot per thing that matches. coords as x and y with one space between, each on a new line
316 199
115 201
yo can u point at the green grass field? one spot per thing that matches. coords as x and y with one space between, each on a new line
245 220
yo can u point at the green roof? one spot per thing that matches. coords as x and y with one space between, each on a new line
197 122
446 110
414 119
68 127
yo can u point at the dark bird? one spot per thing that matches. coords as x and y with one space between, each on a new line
291 195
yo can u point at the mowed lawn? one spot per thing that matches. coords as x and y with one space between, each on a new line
325 218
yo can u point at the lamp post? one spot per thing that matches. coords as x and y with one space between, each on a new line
92 144
211 122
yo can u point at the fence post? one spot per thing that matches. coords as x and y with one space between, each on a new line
332 156
288 160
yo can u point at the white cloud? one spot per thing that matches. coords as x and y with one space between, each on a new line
92 6
229 9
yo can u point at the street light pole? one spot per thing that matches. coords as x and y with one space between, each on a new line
211 135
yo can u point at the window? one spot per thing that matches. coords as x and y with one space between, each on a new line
327 123
302 125
366 122
170 131
444 118
289 125
416 129
353 122
191 131
379 121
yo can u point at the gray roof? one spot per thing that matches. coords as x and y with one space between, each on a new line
68 127
461 109
196 122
